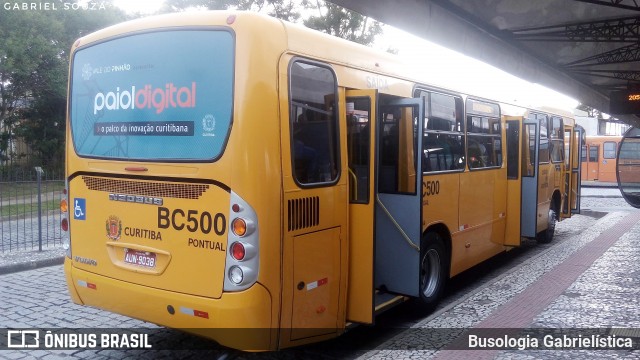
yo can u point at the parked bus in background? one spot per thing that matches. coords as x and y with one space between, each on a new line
598 156
265 185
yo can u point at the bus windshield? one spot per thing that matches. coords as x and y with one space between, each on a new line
156 96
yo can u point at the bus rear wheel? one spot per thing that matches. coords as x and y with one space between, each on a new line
546 236
433 270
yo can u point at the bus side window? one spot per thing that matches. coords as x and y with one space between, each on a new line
443 139
484 135
543 151
529 150
609 149
557 139
388 180
313 124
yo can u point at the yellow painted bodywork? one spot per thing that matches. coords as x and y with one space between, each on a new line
311 280
256 114
239 320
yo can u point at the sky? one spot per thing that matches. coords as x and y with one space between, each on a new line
141 6
441 66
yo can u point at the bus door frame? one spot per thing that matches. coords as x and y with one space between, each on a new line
514 184
576 169
360 290
572 170
398 217
529 202
593 166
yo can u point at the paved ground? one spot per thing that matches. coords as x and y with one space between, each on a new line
587 279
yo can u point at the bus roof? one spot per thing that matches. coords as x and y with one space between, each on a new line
299 39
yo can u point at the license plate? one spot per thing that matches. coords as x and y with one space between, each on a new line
140 258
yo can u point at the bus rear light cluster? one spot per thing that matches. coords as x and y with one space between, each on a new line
242 255
64 221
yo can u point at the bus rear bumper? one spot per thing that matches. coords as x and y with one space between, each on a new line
239 320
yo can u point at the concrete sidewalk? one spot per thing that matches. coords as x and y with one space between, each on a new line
600 192
21 260
585 285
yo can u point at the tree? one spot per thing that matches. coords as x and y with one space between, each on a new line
25 47
329 18
338 21
34 60
591 112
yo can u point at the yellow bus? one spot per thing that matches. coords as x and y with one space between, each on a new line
266 186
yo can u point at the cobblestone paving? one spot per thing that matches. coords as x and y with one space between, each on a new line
605 295
613 303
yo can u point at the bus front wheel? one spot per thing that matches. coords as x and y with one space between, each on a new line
433 270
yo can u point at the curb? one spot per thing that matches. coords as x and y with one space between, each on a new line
602 196
31 265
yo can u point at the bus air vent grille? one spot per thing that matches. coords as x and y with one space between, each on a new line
304 213
146 188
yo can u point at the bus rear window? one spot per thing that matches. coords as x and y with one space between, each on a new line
160 96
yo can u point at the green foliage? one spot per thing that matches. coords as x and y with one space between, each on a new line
34 60
326 17
591 112
182 5
282 9
338 21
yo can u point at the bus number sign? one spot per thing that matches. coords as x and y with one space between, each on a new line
430 188
191 220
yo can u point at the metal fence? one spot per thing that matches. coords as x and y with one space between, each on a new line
30 208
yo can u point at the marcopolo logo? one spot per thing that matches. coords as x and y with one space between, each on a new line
147 97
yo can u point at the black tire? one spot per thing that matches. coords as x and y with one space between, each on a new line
546 236
434 270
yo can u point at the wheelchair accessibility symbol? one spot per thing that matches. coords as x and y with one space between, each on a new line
79 209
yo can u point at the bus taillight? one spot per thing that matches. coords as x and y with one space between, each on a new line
242 227
64 206
243 258
237 251
236 275
239 227
64 222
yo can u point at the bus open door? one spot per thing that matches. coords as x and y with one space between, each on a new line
361 116
515 156
399 196
530 161
573 137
